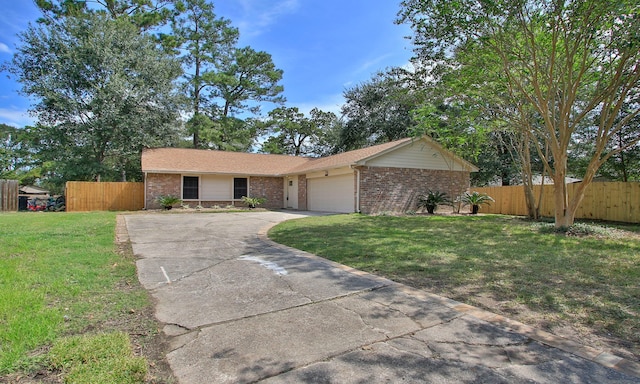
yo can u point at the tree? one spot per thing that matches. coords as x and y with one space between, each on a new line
103 92
295 134
329 127
145 14
624 165
245 75
202 39
380 109
15 155
568 60
222 80
244 78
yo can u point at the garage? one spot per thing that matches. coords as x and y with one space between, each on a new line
331 193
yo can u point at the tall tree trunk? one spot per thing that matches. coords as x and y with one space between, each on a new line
564 216
524 152
196 98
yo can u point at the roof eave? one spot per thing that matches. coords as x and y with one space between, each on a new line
199 172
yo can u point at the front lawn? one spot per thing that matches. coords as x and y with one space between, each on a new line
62 276
586 287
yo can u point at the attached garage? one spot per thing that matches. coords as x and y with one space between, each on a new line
331 193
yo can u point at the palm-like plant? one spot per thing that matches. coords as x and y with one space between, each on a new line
253 202
475 200
168 201
432 199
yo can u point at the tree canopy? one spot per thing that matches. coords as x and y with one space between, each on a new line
293 133
223 82
145 14
570 61
104 91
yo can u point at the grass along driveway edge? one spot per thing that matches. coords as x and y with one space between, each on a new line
65 285
581 287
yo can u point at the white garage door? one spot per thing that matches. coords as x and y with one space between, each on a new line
331 194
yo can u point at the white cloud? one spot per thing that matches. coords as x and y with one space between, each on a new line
15 117
373 64
259 15
330 103
5 48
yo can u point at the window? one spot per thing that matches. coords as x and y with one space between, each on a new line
190 187
240 188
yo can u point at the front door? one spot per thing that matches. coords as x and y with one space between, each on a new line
292 192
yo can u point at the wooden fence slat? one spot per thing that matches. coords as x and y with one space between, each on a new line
612 201
85 196
9 190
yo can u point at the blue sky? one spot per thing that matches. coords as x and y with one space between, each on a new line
323 46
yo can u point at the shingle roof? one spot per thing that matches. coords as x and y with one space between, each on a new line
206 161
183 160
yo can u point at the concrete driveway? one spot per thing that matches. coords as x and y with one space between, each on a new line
239 308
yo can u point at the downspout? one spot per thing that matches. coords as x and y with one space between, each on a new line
357 188
145 190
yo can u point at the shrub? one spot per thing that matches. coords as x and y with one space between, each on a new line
475 200
168 201
432 199
253 202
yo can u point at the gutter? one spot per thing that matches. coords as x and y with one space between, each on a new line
145 191
357 188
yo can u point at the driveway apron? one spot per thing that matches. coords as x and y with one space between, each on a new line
238 308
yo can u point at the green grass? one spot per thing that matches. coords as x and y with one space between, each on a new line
102 358
60 275
590 282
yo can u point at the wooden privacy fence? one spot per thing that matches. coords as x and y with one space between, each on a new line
104 196
9 190
613 201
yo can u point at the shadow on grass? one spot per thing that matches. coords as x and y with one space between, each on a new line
593 281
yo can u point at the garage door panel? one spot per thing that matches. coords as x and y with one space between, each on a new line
331 194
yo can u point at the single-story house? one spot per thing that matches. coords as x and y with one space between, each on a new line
382 178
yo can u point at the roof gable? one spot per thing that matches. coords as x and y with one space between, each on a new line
422 152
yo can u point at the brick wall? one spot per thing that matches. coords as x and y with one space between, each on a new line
396 189
302 192
271 188
161 184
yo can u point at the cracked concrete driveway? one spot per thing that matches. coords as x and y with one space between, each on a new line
238 308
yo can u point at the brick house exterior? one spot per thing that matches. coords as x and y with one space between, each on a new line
381 178
157 184
397 189
302 192
271 188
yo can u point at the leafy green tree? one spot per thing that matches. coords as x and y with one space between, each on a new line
624 165
246 76
201 39
145 14
568 60
380 109
14 154
453 126
103 92
328 135
295 134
